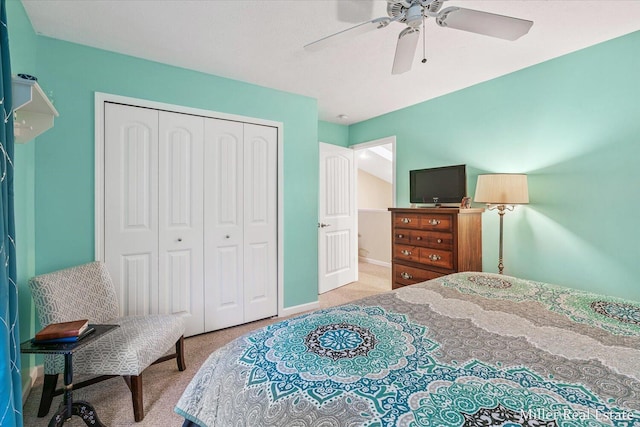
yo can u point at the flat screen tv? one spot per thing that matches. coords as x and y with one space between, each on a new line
446 184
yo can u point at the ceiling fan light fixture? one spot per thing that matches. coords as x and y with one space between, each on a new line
414 16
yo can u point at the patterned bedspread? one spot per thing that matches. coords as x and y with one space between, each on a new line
469 349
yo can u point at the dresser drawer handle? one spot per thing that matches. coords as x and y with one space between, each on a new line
400 236
439 240
406 220
418 238
434 221
405 252
406 276
434 257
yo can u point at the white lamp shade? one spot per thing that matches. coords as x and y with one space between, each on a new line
502 189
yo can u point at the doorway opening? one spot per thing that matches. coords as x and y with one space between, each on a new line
376 171
357 186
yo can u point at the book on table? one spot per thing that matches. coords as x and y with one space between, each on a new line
65 340
63 331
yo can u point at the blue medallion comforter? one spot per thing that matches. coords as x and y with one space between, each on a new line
468 349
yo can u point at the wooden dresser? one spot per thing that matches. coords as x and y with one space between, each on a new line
431 242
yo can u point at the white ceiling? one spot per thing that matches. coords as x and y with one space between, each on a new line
261 42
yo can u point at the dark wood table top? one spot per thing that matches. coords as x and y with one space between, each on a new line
30 346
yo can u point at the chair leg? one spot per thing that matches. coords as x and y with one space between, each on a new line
180 354
135 385
48 389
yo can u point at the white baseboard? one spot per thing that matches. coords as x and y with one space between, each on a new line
374 261
34 373
290 311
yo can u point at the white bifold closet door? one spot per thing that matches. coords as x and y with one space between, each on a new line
240 224
191 216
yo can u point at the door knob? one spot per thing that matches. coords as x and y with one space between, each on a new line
179 239
323 225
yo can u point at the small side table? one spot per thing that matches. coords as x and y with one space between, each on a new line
68 407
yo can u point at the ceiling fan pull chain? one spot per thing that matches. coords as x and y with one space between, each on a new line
424 40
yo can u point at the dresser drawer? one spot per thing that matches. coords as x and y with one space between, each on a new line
402 236
405 275
431 239
436 258
406 253
437 222
406 220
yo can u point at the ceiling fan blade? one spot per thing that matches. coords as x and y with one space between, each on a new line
405 50
354 10
365 27
489 24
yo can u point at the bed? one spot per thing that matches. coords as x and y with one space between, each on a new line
468 349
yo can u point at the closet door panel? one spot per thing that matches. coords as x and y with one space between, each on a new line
190 212
136 283
223 224
260 221
180 282
131 198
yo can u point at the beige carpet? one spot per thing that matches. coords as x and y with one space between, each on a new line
163 384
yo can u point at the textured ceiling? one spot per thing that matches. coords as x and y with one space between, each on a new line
261 42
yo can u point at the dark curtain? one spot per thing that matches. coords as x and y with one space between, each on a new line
10 382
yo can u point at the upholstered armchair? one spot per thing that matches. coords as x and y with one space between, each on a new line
87 292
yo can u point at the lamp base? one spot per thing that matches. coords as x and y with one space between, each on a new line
501 211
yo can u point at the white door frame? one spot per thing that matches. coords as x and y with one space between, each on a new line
101 98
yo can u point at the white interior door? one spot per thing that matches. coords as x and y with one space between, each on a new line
180 218
337 227
240 205
190 215
260 222
153 211
131 206
223 231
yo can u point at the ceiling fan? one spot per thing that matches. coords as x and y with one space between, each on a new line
413 13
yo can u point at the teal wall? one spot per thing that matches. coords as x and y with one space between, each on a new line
572 124
333 133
